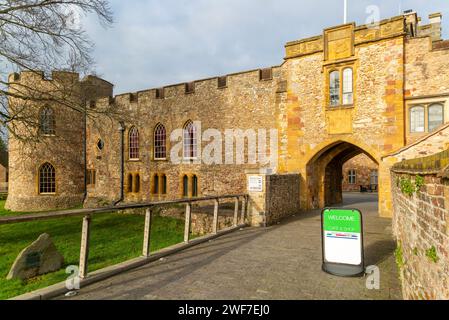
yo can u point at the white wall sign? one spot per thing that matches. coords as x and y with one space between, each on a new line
255 184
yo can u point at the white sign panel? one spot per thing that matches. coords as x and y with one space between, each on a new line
255 184
342 232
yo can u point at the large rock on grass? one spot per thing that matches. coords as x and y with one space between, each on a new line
39 258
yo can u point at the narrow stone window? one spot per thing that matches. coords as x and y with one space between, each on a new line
160 93
436 116
190 87
47 121
136 187
160 142
155 184
47 179
194 186
266 74
164 184
130 183
348 96
185 186
222 82
417 119
91 177
190 141
334 88
352 177
133 144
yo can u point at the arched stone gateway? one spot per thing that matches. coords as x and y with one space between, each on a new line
322 174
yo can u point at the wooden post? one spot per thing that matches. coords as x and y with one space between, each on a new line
236 212
188 222
242 218
147 234
215 223
84 252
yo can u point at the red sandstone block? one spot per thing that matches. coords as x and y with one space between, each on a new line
391 82
438 202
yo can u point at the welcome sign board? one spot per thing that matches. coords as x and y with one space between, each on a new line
342 238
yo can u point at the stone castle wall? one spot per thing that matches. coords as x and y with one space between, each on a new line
421 225
246 103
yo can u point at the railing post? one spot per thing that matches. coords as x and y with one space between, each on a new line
188 222
236 212
147 234
215 225
84 252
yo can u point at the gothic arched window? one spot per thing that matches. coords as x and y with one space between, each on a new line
47 179
47 121
190 141
185 186
156 184
164 184
160 142
129 188
134 144
194 186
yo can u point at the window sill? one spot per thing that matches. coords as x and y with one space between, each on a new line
134 160
340 106
160 159
47 194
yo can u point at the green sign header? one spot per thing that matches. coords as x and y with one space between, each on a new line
340 220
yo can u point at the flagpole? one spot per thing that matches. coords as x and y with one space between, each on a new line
346 11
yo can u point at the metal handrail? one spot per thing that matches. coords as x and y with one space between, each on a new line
89 213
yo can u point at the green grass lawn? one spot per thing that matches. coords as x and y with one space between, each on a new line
114 238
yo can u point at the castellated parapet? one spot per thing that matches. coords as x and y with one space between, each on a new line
247 100
63 150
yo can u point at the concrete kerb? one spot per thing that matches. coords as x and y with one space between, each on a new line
99 275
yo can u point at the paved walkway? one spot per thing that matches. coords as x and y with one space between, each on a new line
281 262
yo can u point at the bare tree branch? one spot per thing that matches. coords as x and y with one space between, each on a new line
40 36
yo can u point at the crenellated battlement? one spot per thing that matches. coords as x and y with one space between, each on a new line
407 24
200 86
39 76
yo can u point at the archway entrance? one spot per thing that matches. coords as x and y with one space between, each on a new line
328 177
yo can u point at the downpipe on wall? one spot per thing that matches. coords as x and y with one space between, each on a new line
122 162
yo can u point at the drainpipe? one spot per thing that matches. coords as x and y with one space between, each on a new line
85 153
122 162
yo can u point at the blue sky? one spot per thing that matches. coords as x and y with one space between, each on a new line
159 42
